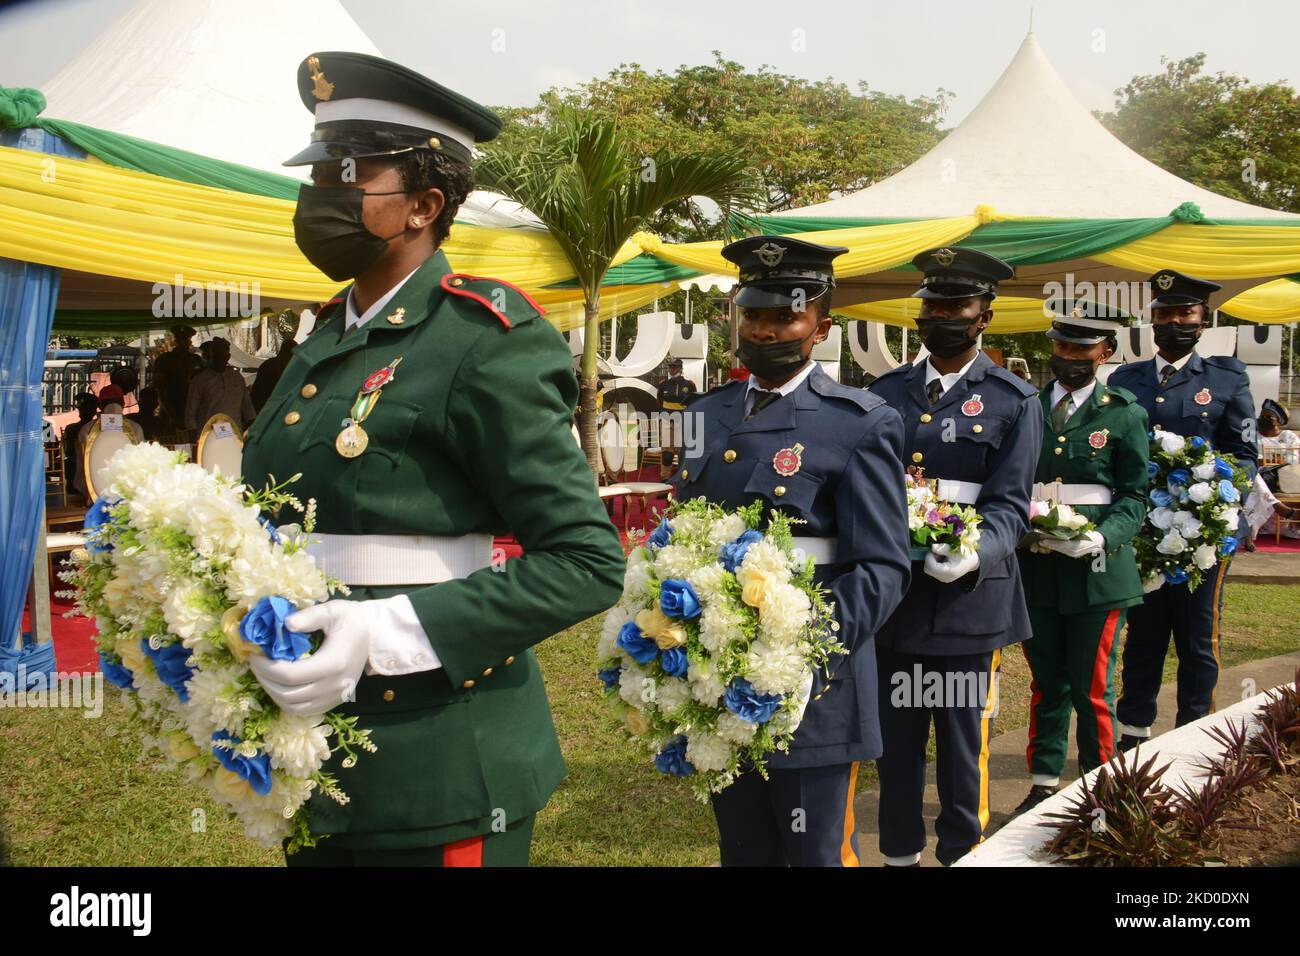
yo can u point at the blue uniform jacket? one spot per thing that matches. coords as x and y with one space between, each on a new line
988 429
1209 397
849 486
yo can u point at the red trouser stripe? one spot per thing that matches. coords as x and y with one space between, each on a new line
1097 692
463 852
1034 701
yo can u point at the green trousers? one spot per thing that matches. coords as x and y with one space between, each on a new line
508 847
1072 660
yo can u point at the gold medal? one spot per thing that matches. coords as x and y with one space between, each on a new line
352 441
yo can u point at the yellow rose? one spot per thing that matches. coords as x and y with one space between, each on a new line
235 643
658 626
635 721
180 746
757 589
133 656
674 635
230 785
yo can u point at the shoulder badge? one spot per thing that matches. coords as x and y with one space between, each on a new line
457 283
972 406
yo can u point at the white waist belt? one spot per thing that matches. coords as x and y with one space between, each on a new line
1072 494
821 550
377 560
958 492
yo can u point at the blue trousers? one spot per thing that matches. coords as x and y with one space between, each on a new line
962 726
797 817
1192 617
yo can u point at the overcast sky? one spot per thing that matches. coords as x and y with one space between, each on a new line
911 47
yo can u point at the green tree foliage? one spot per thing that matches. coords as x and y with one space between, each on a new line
1219 131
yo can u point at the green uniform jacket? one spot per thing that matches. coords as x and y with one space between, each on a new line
472 436
1119 425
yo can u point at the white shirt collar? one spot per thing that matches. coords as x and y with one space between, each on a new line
1161 363
789 386
1079 397
352 320
951 378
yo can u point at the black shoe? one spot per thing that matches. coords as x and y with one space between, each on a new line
1127 742
1037 794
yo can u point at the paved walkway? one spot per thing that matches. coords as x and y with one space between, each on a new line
1278 567
1009 778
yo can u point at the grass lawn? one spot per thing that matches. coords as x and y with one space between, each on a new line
72 792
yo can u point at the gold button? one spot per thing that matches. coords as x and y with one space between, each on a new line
487 672
729 455
917 457
389 695
977 429
467 684
1059 478
434 142
308 391
818 697
1059 449
458 281
779 490
510 660
1060 438
1160 399
1205 414
926 418
292 418
685 474
1105 399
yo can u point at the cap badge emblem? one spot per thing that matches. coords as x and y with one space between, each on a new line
945 257
322 88
770 254
1165 281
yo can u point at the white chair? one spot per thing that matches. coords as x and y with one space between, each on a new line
221 446
607 492
105 437
627 451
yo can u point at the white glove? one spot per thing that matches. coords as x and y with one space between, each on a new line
944 565
328 677
1091 543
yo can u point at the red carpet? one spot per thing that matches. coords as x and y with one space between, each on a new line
74 639
1264 544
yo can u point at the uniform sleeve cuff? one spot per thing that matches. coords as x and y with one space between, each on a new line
398 643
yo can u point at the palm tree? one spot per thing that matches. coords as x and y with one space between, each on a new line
582 179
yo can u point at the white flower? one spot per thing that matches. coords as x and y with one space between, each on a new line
1067 517
1186 524
775 668
1170 443
1231 516
765 558
185 614
671 695
719 626
1201 492
734 730
1172 543
1203 471
677 561
134 465
615 618
706 685
707 752
297 744
1161 518
785 614
708 583
726 529
633 683
217 702
637 577
1205 556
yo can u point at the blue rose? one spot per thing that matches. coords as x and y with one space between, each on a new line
1179 476
1152 469
97 517
748 704
642 649
678 599
256 770
1222 468
659 537
1177 576
733 552
116 674
264 626
609 677
1227 491
169 660
1228 547
1161 499
1197 442
674 662
672 759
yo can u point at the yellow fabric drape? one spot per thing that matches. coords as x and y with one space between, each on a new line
95 218
1221 252
871 248
1272 303
564 306
1010 314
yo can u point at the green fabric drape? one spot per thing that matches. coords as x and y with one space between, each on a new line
105 322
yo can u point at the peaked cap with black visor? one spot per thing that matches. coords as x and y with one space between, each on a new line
777 270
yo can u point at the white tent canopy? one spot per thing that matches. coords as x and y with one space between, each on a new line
1031 149
217 78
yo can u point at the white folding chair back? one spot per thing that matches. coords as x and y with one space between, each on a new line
106 436
221 447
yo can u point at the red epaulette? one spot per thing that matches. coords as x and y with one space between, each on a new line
454 282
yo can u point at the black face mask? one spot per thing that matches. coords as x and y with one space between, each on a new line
945 338
1072 373
1175 338
328 227
773 361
